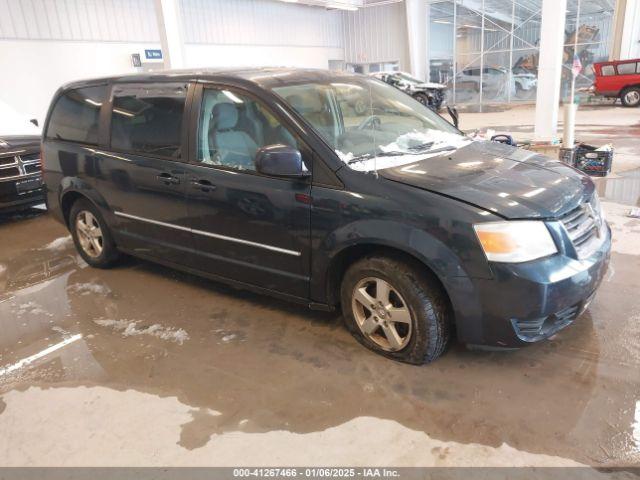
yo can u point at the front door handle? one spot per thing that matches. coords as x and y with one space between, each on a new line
168 179
203 184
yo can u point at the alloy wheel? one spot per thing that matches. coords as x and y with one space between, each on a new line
382 314
89 234
632 97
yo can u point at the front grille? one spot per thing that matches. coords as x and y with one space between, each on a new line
29 157
32 168
9 172
7 161
21 166
583 225
532 330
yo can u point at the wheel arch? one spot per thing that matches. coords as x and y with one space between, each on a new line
351 254
73 189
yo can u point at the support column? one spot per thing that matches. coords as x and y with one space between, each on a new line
417 12
630 37
171 34
554 13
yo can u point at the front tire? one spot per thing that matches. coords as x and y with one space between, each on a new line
423 99
395 310
630 97
91 235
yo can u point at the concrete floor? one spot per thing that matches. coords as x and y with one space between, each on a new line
595 124
140 365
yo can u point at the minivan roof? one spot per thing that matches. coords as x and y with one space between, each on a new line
266 77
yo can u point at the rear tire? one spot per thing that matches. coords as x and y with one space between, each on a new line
91 235
630 97
381 296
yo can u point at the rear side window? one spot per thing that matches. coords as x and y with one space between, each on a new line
626 68
76 115
147 118
608 70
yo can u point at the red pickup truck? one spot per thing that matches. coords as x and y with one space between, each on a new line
619 79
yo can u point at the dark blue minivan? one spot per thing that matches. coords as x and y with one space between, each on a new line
327 189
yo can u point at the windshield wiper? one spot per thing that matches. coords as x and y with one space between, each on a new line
398 153
422 146
360 158
394 153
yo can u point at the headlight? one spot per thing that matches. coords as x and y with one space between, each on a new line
516 241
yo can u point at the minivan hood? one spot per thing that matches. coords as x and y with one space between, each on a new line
511 182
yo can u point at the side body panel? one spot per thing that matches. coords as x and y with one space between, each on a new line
247 226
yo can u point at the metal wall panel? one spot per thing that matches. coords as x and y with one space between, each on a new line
376 34
79 20
260 22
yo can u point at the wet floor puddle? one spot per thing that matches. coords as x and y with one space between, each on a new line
205 371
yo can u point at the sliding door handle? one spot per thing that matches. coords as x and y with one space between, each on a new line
202 184
168 179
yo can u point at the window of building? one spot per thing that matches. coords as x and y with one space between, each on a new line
147 118
76 115
488 52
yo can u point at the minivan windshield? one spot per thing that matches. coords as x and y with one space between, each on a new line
369 124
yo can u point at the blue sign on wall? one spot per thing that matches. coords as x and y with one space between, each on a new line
153 54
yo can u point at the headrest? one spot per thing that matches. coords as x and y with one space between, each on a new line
224 116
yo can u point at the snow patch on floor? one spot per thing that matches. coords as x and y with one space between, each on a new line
31 308
129 328
59 243
89 288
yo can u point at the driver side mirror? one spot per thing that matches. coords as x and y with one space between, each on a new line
453 113
280 161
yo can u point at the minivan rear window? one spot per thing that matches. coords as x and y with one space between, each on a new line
147 118
76 115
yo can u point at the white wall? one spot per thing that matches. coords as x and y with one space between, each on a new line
51 42
260 32
46 43
38 68
79 20
377 34
260 55
630 45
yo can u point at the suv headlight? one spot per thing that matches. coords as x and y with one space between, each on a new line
516 241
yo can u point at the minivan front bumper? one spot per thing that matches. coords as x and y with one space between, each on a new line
527 302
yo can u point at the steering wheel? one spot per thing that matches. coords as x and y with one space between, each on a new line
372 120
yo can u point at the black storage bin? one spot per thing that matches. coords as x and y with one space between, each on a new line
591 161
587 159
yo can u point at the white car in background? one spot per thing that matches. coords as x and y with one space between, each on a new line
524 80
428 93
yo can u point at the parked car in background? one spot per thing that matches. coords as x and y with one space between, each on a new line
270 180
20 175
427 93
523 79
618 79
491 78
